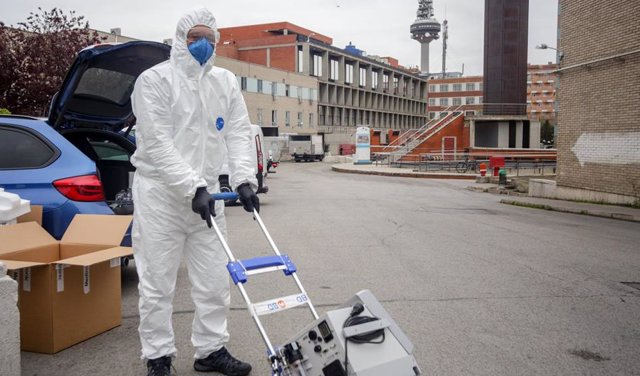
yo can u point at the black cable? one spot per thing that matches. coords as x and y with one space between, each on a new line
369 337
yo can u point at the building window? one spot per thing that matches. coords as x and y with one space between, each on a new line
314 94
443 114
457 101
334 65
479 99
432 115
444 87
374 80
363 77
252 85
317 65
444 101
300 124
432 101
300 60
385 82
470 100
267 87
243 83
274 118
259 120
260 86
294 91
480 86
348 74
432 88
280 89
287 118
457 87
471 86
311 120
396 84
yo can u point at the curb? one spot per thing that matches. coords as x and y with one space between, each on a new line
403 174
593 213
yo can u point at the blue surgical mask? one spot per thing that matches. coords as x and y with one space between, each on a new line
201 50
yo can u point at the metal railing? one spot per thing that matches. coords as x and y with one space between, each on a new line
521 164
409 140
498 109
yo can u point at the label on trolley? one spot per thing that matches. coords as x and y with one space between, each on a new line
280 304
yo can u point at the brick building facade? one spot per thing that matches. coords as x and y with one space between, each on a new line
598 135
541 92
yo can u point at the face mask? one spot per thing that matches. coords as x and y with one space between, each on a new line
201 50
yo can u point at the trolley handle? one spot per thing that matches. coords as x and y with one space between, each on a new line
225 196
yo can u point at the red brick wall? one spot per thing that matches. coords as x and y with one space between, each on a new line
455 129
254 56
283 58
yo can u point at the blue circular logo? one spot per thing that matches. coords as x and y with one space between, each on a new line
219 123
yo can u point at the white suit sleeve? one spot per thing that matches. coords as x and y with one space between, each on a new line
154 134
238 141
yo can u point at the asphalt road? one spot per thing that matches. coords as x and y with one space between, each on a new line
481 288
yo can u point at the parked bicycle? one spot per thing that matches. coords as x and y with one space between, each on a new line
468 165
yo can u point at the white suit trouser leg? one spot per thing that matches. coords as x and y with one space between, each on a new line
160 239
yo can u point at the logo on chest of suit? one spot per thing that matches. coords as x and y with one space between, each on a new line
219 123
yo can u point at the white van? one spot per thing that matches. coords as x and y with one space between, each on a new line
260 162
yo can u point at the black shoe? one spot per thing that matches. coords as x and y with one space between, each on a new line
159 367
223 362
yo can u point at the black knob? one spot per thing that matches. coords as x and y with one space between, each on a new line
317 348
313 335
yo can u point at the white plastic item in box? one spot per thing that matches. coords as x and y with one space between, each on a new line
11 207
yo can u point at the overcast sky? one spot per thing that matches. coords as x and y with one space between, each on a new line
380 27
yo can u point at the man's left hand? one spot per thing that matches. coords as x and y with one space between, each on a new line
248 198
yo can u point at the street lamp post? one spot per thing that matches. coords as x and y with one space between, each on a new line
559 54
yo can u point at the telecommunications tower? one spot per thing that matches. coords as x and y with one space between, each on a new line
424 30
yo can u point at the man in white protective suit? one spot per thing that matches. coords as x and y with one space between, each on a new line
189 115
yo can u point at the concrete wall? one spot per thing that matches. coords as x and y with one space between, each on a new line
487 136
9 326
598 133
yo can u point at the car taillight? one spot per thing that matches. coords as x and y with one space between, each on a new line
81 188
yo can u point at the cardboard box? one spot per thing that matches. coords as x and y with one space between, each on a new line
35 215
69 290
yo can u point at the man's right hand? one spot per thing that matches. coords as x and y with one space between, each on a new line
204 205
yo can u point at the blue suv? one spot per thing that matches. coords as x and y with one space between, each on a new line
78 159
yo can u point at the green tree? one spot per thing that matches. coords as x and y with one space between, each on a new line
547 133
38 53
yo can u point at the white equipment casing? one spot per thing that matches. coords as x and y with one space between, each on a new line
322 345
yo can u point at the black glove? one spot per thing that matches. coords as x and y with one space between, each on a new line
248 198
204 205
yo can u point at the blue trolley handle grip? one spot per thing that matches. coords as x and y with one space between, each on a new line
225 196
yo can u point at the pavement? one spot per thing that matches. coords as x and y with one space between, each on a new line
584 208
480 287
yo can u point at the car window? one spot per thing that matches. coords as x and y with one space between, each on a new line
109 151
22 149
101 83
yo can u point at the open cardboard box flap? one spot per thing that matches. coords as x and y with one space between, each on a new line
97 257
95 229
17 265
35 215
23 236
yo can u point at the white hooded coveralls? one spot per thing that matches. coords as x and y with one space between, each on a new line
188 117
